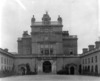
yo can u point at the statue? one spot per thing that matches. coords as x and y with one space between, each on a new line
59 19
33 19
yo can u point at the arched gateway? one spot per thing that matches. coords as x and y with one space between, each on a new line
47 67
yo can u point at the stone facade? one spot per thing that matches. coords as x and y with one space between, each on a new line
47 44
90 59
6 61
49 50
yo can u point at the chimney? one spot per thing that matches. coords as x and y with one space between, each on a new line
25 34
97 44
85 50
6 49
91 47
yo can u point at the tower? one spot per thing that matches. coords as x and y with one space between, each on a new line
47 36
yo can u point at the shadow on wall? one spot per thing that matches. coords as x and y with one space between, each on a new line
24 69
68 69
93 71
7 72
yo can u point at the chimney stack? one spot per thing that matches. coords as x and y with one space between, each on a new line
6 49
85 50
97 44
91 47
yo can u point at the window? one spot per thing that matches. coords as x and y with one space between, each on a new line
51 51
88 60
1 68
96 68
7 61
41 51
92 59
83 61
71 51
83 68
9 68
88 68
46 46
46 51
10 61
95 58
5 68
2 60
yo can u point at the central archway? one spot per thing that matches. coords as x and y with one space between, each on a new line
47 67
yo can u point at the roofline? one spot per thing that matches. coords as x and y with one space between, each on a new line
90 52
6 53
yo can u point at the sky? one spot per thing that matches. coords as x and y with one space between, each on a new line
80 17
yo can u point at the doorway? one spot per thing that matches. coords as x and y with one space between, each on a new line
72 70
47 67
23 70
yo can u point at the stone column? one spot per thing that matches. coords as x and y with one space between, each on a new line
54 67
40 67
69 70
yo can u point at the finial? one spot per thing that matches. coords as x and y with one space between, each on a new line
99 38
58 15
46 12
59 19
32 20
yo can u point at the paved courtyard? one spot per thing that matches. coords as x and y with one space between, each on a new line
51 78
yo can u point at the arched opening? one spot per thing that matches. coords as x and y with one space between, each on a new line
28 71
22 70
72 70
47 67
